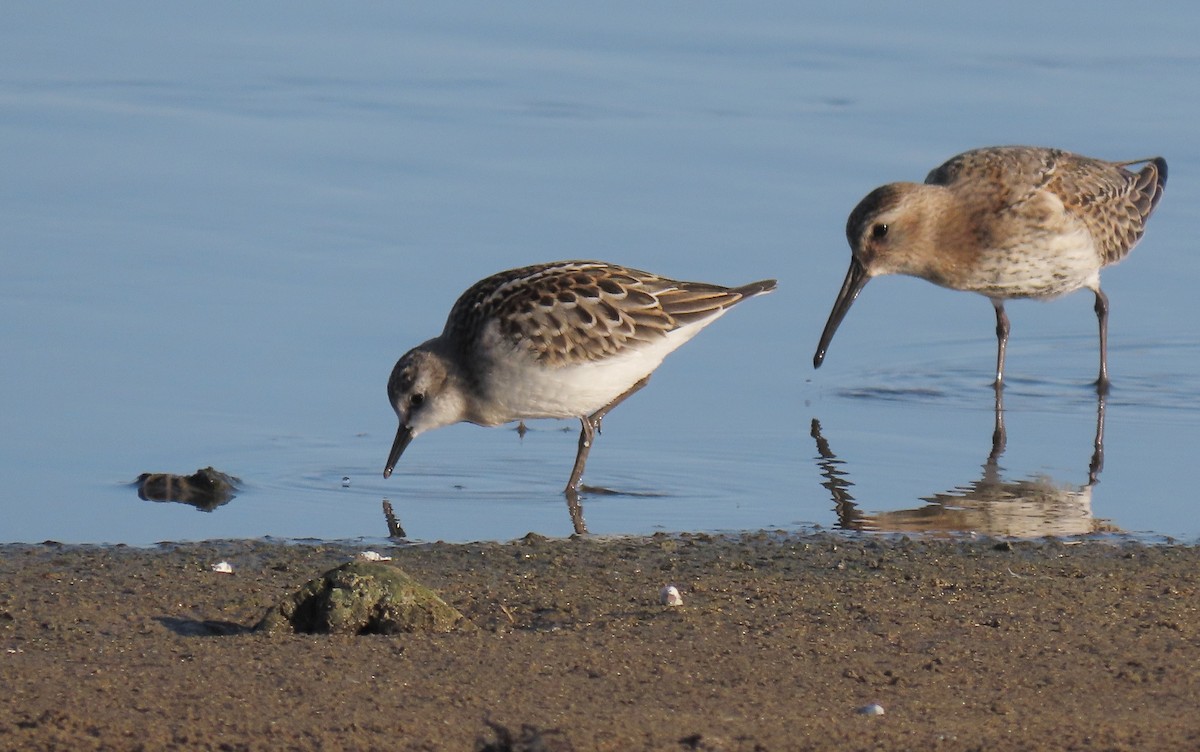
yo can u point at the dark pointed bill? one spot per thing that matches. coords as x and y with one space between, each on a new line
403 437
856 279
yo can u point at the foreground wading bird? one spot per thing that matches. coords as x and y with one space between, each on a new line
571 339
1005 222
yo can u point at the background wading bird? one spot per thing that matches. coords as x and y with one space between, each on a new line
1005 222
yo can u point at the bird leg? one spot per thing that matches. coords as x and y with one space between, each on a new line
589 427
1102 316
587 434
1001 340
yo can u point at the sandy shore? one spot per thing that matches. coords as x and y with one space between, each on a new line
779 643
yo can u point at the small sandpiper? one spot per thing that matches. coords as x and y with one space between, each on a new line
1005 222
570 339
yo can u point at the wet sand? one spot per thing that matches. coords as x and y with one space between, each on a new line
781 639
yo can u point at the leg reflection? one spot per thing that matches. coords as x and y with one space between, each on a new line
992 505
1097 463
849 516
575 509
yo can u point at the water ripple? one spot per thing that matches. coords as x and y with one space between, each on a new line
952 379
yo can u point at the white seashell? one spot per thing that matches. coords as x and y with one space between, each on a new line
669 596
223 567
373 556
872 709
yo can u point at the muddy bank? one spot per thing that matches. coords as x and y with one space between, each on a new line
781 639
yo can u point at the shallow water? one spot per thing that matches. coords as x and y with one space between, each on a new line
221 228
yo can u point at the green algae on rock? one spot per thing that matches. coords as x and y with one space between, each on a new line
362 598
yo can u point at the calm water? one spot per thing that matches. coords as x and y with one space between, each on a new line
221 226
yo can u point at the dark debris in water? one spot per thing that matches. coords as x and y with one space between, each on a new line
206 489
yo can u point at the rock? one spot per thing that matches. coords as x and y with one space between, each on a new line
372 556
206 489
872 709
363 598
669 596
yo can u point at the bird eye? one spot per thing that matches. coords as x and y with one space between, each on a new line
879 231
416 400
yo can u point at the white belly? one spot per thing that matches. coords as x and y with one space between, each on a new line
518 387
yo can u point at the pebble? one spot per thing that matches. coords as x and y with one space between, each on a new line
669 596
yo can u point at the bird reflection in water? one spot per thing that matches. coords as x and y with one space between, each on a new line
1027 508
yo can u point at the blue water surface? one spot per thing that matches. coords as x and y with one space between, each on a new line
221 224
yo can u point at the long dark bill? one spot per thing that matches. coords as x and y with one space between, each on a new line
403 437
856 279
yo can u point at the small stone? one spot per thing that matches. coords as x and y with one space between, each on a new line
669 596
872 709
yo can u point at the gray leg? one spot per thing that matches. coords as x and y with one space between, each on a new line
1102 316
1001 340
587 434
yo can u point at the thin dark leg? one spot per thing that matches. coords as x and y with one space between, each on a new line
587 434
1001 340
1102 316
589 426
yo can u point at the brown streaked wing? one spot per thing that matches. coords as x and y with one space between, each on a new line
579 311
1112 202
1018 169
474 306
570 311
692 301
1003 177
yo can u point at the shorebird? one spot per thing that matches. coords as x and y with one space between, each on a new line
570 339
1005 222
